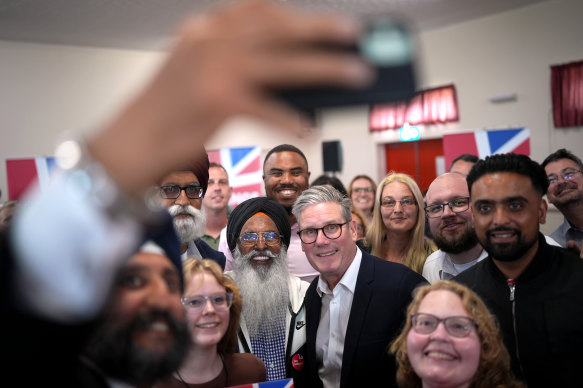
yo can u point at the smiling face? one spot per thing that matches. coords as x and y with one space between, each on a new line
260 223
218 192
507 211
148 290
285 175
330 257
564 192
438 358
452 232
363 195
399 219
209 325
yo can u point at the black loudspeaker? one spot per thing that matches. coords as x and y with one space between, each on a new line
332 156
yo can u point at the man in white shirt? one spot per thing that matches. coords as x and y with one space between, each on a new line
358 302
564 170
447 207
216 204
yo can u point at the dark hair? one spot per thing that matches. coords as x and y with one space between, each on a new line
562 154
331 181
515 163
284 148
466 158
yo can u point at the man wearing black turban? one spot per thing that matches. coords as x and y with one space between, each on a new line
273 316
182 192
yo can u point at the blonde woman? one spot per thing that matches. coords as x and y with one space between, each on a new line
398 224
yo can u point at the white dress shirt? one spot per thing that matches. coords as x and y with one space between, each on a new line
336 306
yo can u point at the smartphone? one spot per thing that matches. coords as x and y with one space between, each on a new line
389 46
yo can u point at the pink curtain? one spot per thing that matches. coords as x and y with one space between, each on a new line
567 94
432 106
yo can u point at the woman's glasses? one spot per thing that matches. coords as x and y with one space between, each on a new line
221 301
459 327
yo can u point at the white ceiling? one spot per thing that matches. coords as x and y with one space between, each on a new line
148 24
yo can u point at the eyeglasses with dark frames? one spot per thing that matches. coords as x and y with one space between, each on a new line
457 205
331 231
221 301
250 239
456 326
567 175
173 191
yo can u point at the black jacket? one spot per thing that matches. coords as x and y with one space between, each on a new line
546 348
381 296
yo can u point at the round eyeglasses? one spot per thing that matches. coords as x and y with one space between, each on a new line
459 327
250 239
458 205
221 301
173 191
331 231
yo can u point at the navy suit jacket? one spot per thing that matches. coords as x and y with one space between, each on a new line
381 296
209 253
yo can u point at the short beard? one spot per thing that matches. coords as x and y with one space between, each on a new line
507 252
191 228
264 289
460 244
114 351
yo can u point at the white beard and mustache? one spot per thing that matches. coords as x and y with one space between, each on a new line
264 289
190 228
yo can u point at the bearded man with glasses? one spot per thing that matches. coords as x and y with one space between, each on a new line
452 228
273 316
565 191
181 192
357 304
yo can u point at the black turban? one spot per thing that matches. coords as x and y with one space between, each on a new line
248 209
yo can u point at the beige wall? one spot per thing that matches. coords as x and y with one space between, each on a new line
49 89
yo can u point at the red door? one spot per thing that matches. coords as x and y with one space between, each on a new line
416 158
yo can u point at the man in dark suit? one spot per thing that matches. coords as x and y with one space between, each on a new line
356 306
182 192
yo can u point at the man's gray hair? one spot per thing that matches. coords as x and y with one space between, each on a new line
320 194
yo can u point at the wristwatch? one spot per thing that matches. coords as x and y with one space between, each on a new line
91 181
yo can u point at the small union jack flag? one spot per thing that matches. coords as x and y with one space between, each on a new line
483 143
243 165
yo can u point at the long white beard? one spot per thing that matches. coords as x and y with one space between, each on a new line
190 228
264 290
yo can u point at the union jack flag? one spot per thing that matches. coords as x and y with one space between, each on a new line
23 173
243 165
285 383
486 142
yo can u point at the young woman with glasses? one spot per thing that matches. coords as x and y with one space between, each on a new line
212 305
361 192
450 339
397 231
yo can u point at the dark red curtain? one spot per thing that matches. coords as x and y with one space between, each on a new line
567 94
431 106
